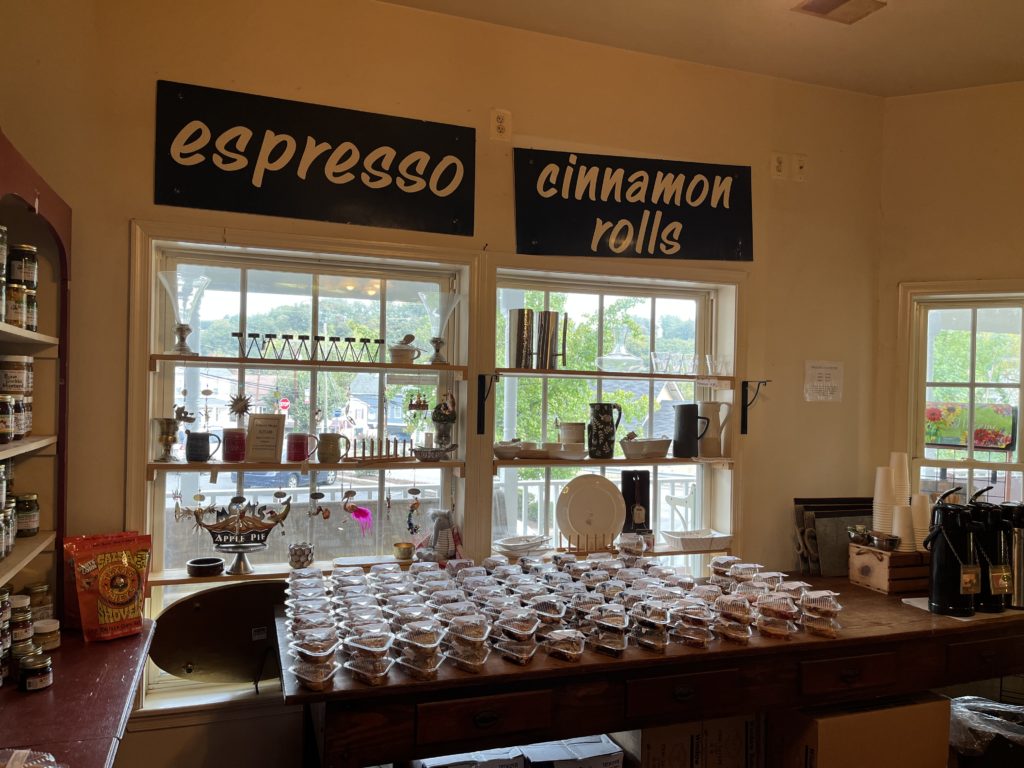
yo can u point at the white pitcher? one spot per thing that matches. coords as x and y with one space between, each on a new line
710 445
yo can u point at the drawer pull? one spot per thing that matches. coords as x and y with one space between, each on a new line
683 692
850 676
485 719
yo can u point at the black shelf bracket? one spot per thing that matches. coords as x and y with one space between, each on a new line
484 384
746 402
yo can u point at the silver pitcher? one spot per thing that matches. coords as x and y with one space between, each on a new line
520 338
547 340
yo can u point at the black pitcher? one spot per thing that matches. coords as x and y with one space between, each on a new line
954 576
601 429
687 431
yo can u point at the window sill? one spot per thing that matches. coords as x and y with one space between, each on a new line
196 698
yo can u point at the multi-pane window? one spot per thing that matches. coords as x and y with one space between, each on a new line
967 415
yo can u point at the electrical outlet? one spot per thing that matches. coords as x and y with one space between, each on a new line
501 125
798 167
779 166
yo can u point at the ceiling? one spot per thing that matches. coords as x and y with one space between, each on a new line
907 47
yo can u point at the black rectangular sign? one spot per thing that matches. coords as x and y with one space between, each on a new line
231 151
572 204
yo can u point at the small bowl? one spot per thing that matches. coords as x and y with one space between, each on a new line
205 566
633 449
883 541
506 450
553 450
573 451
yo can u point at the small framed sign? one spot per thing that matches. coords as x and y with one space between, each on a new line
265 437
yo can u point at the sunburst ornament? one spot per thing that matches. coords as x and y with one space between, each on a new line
240 406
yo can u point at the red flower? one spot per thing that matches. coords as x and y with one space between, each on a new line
933 414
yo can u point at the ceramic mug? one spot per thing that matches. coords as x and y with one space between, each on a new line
197 446
403 355
234 444
297 446
571 432
328 450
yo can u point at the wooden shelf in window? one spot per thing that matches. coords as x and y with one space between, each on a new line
618 461
172 576
24 551
263 466
667 550
573 374
12 334
26 445
459 371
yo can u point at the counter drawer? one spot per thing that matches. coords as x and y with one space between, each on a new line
681 695
982 659
849 673
483 717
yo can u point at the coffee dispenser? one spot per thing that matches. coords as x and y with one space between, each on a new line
636 491
991 547
955 577
1017 554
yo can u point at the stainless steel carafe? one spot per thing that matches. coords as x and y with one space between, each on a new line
1017 559
520 338
547 340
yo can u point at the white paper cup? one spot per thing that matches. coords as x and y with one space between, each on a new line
920 513
903 526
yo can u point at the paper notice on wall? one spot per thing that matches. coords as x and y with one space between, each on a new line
823 381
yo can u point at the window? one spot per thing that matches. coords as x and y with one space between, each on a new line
632 331
966 413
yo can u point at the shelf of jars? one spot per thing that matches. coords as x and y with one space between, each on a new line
26 445
619 461
25 549
12 334
460 372
719 382
217 467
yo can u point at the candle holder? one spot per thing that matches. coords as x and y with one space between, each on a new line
185 294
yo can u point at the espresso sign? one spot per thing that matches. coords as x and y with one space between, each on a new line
572 204
231 151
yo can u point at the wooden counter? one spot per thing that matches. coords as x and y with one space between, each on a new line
81 718
885 648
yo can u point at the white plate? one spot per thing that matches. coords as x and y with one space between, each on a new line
519 542
591 507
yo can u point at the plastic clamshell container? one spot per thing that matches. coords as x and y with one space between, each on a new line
437 599
315 639
310 621
406 642
307 652
347 570
468 658
315 677
629 575
518 624
792 588
367 672
595 576
609 643
777 628
474 627
682 580
387 591
404 599
708 592
630 597
735 608
364 613
733 630
654 639
503 572
562 559
454 566
448 611
319 604
821 602
306 593
569 588
651 613
554 578
720 564
727 583
426 632
610 616
468 572
305 573
744 571
348 581
584 602
823 626
692 636
609 588
495 606
578 568
474 583
550 609
695 616
347 602
380 568
370 643
778 606
526 592
517 651
772 578
481 595
421 669
432 586
751 590
406 614
352 590
371 627
492 562
565 644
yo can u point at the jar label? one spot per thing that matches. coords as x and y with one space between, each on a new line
19 634
5 614
38 682
42 611
14 381
24 271
28 521
16 313
18 423
7 424
32 317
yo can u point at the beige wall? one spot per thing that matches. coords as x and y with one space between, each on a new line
79 102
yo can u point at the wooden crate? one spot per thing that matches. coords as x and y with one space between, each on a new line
894 573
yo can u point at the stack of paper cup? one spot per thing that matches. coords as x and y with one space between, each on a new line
881 507
900 466
921 513
903 526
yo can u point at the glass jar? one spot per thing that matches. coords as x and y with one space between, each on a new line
31 310
3 299
3 250
14 311
28 360
35 673
27 508
21 625
15 374
40 600
5 664
47 634
21 650
5 603
10 516
23 266
18 421
6 641
29 420
6 419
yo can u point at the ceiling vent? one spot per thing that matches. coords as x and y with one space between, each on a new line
843 11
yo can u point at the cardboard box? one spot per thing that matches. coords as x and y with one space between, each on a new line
892 573
730 742
486 758
910 732
585 752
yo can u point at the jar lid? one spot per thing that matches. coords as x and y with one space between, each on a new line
39 586
46 626
35 662
24 648
19 601
21 612
27 497
24 247
5 592
5 398
30 291
14 359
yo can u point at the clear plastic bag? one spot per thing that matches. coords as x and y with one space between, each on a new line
975 722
